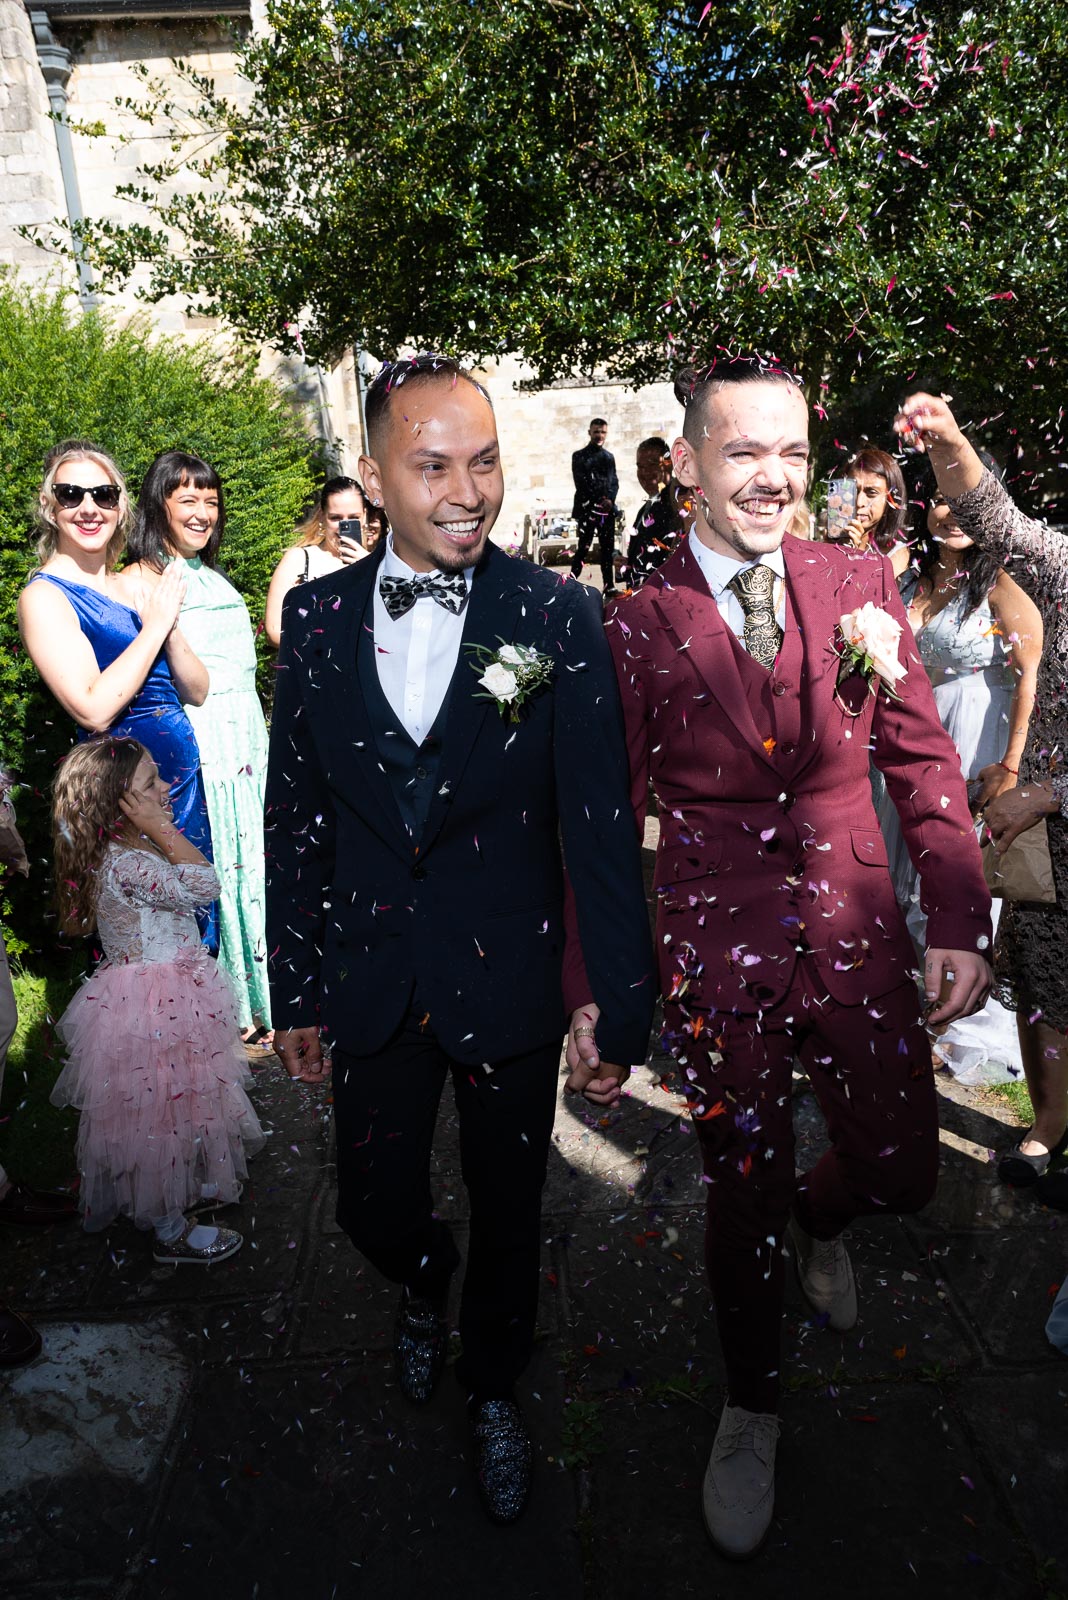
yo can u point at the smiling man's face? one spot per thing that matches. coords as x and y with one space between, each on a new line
750 464
437 472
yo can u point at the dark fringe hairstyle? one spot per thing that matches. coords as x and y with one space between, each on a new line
150 539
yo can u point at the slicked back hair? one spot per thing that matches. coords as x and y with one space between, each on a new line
694 385
426 367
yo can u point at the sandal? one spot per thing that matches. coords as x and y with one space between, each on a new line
1022 1171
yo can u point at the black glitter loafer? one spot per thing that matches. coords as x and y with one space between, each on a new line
503 1458
420 1343
1022 1171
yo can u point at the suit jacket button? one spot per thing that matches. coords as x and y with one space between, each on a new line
778 688
419 873
787 749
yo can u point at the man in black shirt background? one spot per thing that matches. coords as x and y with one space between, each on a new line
658 525
596 486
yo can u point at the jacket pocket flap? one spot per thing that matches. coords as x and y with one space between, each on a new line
869 846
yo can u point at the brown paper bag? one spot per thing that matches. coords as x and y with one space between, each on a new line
1025 871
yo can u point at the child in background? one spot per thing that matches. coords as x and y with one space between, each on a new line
155 1062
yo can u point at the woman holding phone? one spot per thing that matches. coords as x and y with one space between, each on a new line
332 536
880 506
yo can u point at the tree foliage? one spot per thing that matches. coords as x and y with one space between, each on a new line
65 375
621 184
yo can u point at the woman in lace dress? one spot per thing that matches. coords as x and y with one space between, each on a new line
1032 946
155 1064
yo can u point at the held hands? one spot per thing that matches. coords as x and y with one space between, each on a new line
956 983
1017 809
598 1081
995 779
300 1051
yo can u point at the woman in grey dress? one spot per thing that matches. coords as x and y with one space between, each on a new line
1032 947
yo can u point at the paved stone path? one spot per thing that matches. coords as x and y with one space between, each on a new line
236 1434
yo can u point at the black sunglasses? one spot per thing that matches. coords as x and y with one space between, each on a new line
69 495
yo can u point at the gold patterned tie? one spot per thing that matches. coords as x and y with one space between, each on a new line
755 588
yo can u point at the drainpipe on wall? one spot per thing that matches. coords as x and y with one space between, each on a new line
55 64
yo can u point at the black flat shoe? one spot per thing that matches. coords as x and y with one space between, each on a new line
503 1458
1023 1171
420 1344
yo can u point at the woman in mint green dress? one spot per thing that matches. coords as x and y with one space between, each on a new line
180 514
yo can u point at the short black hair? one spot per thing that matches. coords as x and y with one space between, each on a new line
426 367
694 385
661 446
598 422
150 537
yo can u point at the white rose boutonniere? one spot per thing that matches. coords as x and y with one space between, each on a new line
870 638
510 675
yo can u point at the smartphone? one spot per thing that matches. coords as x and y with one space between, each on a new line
841 508
350 533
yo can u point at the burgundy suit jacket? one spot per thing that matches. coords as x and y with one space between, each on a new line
770 852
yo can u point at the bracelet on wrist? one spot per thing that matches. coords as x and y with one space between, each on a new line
1015 771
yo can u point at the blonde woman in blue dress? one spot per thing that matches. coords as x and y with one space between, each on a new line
181 515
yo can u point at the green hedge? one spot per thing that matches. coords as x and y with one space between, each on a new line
68 375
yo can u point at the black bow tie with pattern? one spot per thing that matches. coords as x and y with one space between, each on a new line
399 595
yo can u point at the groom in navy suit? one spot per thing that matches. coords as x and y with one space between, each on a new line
417 830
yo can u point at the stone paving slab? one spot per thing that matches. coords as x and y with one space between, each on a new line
637 1300
873 1499
1005 1283
82 1430
312 1483
51 1269
641 1311
1023 1428
352 1308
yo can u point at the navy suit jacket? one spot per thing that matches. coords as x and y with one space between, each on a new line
360 913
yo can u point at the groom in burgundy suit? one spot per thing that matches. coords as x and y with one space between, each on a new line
778 933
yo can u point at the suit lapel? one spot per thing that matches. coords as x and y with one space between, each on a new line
491 619
819 598
349 729
687 609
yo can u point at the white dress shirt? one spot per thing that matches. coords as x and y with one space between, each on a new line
719 570
415 654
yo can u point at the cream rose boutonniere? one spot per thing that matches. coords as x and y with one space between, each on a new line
870 638
510 675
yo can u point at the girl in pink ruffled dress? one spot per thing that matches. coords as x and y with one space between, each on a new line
155 1061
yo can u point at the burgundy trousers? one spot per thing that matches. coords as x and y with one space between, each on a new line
870 1066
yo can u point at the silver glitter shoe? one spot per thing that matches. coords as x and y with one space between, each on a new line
421 1340
503 1458
180 1253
